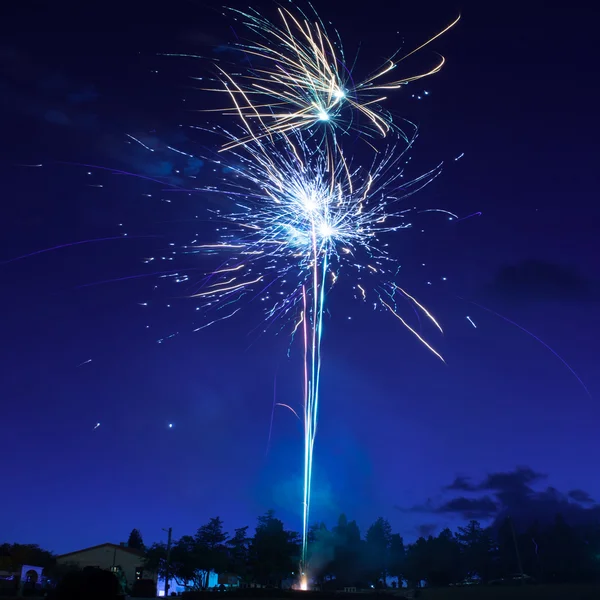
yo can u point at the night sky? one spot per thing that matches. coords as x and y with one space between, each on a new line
400 434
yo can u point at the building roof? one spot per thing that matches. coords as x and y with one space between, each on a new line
117 546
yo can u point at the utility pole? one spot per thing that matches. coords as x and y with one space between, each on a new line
514 536
169 531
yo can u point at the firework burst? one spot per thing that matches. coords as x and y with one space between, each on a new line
298 77
305 213
297 207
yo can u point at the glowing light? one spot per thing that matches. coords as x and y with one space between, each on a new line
326 231
305 210
309 202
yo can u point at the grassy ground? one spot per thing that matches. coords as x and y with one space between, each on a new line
527 592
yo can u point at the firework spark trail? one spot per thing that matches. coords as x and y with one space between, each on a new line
535 337
217 320
289 408
312 354
415 333
307 442
120 172
172 273
303 80
272 413
139 142
475 214
79 243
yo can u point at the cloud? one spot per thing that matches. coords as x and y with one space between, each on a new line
580 496
545 505
154 160
159 168
461 484
56 99
505 484
504 493
47 94
470 508
540 280
511 486
193 166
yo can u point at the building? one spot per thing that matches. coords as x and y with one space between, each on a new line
126 563
119 559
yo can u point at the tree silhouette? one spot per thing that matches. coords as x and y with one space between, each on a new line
476 548
397 558
377 549
186 563
445 564
135 540
417 563
210 548
347 557
239 553
274 552
155 558
13 556
320 551
559 552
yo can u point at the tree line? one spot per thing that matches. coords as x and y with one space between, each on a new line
342 557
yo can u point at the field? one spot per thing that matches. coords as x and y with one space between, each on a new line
523 592
527 592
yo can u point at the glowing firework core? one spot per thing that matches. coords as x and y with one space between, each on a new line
323 115
326 231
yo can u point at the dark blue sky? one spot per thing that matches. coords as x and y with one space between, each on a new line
518 97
